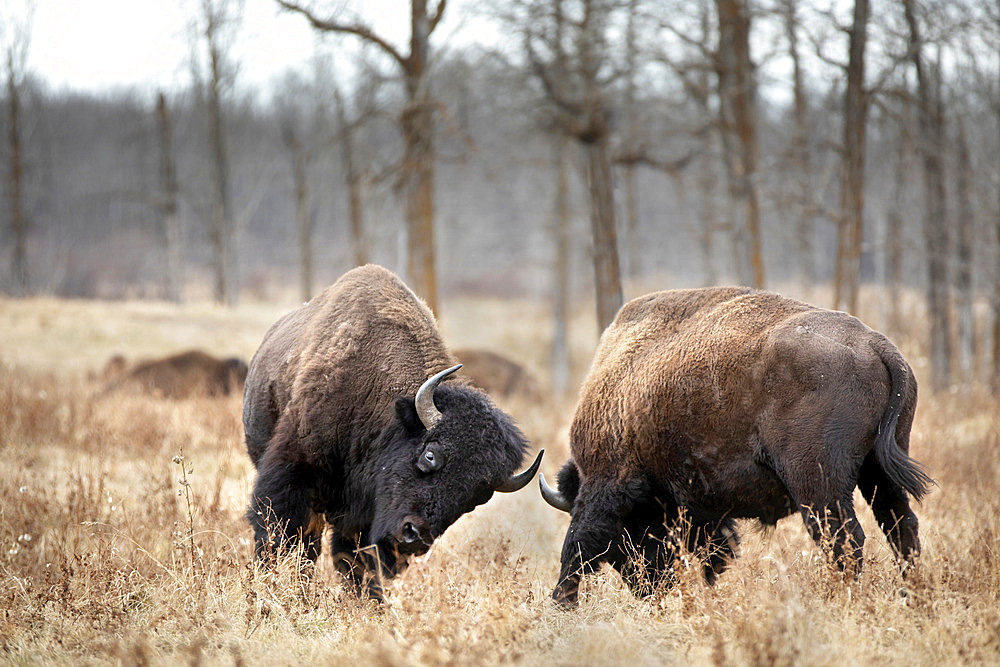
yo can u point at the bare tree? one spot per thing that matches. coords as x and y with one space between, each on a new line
894 216
168 204
15 37
561 296
695 73
799 156
632 247
994 18
568 52
353 176
963 275
417 125
219 19
850 222
930 118
300 157
738 117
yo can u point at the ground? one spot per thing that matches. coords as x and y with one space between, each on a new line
122 536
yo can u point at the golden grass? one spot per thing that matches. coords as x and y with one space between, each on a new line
101 559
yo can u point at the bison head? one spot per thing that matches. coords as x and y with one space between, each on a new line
451 449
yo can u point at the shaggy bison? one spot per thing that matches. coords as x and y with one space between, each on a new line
496 374
726 403
184 375
348 424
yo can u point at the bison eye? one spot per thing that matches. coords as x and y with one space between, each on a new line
430 460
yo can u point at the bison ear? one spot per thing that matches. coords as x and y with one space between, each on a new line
406 414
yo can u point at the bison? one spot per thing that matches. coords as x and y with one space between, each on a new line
348 424
496 374
708 405
182 375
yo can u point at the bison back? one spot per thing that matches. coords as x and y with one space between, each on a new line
334 367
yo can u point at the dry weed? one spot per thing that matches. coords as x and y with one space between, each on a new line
122 539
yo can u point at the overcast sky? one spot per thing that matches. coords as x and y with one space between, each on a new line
99 45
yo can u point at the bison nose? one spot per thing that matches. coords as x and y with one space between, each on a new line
409 533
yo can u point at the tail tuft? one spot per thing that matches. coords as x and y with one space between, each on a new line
900 468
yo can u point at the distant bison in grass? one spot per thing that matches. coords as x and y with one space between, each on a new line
185 375
350 423
496 374
727 403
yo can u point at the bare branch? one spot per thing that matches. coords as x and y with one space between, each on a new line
545 76
436 18
641 157
357 29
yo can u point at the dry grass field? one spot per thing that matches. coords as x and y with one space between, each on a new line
122 537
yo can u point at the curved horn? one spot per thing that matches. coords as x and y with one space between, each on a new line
426 410
553 497
518 481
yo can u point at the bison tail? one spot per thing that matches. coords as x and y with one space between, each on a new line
895 463
569 481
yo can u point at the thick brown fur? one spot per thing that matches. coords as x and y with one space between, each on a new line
724 403
496 374
187 374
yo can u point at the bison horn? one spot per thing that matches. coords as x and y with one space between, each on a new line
426 410
553 497
520 480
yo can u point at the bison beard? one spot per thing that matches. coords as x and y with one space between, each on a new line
703 406
348 425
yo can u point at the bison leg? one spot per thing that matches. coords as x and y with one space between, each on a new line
716 543
892 511
362 569
647 547
280 512
835 526
594 530
822 487
645 558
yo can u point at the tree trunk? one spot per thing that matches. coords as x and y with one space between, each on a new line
995 306
632 245
419 165
706 214
894 221
418 136
737 111
963 277
931 148
850 225
359 241
15 191
561 297
607 276
301 184
800 162
168 205
221 235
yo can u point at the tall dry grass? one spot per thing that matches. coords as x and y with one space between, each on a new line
122 536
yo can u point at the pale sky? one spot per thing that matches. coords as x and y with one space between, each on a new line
98 45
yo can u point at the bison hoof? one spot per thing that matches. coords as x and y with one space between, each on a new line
566 597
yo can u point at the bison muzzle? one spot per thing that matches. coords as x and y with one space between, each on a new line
707 405
349 422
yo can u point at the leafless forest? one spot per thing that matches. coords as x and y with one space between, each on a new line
784 144
846 153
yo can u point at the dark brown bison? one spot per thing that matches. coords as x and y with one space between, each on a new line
727 403
496 374
348 425
184 375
